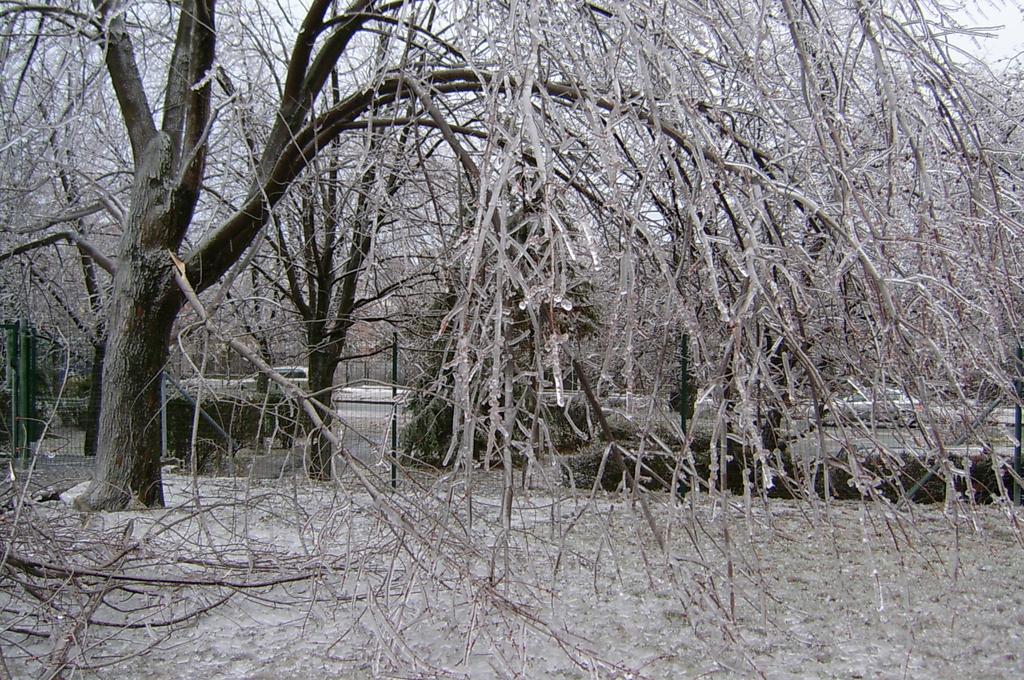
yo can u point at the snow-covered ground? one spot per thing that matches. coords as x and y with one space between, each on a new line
358 581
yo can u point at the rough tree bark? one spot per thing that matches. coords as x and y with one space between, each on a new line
144 304
321 383
169 166
143 312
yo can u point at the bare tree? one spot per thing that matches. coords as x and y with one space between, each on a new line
326 247
170 158
770 200
814 193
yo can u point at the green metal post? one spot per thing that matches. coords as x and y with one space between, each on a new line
21 352
33 426
11 338
394 411
1018 389
21 415
163 416
684 381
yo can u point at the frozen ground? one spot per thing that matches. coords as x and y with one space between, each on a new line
278 580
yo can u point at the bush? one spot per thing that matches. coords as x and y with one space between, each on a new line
581 469
427 436
564 436
246 423
869 476
77 387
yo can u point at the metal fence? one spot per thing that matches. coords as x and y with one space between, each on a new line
371 406
47 407
261 432
45 411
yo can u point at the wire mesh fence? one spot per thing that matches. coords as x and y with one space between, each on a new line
240 424
209 425
391 409
48 415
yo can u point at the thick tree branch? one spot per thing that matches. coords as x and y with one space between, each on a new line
83 245
301 86
178 73
126 79
203 43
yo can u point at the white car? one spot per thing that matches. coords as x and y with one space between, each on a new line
877 405
244 385
296 374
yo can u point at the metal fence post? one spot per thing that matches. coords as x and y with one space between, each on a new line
394 411
163 415
20 397
30 385
1018 390
24 426
11 337
684 380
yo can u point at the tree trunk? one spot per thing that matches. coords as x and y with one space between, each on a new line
321 383
92 410
144 305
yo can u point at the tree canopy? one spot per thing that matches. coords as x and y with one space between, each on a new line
813 193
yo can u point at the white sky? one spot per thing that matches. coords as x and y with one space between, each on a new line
1006 20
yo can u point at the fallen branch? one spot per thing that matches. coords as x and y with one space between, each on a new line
47 570
616 452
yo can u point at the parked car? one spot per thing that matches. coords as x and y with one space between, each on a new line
876 405
296 374
244 385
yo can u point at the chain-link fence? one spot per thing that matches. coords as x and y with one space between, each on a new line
241 425
48 417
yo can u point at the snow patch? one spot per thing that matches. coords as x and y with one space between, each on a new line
71 495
